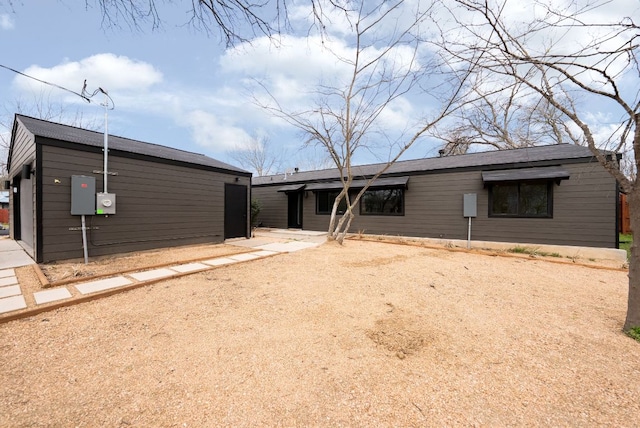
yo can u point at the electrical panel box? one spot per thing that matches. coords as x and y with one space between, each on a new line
83 190
470 205
105 203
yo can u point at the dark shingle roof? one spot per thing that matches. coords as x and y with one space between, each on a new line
57 131
517 158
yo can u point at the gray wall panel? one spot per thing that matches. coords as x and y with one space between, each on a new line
157 205
584 210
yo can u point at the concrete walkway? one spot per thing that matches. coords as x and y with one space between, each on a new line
12 255
268 242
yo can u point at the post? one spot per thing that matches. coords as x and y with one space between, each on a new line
469 209
84 241
106 141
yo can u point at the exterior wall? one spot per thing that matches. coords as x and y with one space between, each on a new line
158 204
23 152
584 211
273 207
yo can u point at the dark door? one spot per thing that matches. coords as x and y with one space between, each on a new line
17 227
295 210
235 211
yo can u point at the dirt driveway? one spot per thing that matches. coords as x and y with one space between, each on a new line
369 334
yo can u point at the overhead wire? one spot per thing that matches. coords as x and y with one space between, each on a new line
84 94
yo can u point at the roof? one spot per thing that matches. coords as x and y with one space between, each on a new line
514 158
522 174
58 131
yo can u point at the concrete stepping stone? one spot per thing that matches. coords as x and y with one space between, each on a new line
12 290
8 280
264 253
102 284
189 267
152 274
220 261
287 247
14 303
243 257
7 272
52 295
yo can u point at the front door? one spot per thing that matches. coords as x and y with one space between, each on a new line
235 211
25 194
295 210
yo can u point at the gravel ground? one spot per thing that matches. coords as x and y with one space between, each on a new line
367 334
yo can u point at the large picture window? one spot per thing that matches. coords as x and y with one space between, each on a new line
325 199
382 202
522 199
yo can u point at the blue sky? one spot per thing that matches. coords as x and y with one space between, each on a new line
177 86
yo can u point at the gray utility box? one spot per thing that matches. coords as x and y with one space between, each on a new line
105 203
83 190
470 206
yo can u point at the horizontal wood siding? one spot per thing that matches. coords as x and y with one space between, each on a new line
584 211
157 205
23 151
273 206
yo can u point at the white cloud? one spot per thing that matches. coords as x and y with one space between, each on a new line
108 71
211 132
6 23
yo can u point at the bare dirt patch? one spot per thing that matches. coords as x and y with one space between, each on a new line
331 337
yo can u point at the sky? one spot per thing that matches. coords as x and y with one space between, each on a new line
175 85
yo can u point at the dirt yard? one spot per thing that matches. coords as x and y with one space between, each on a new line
369 334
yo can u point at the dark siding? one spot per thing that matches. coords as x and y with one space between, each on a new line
584 211
23 151
157 205
273 207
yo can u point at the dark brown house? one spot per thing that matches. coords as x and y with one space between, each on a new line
557 195
156 196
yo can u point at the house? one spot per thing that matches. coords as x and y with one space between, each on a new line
556 194
4 199
141 196
4 210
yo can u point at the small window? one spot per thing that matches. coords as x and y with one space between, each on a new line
521 199
325 200
382 202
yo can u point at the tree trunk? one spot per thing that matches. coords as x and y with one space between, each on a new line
633 306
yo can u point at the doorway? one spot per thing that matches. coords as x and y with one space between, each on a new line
294 217
235 211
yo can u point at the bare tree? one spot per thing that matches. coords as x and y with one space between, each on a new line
231 18
258 155
570 60
502 119
347 118
43 107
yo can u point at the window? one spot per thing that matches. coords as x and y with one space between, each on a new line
325 199
524 199
382 202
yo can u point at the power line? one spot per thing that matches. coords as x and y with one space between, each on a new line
84 95
48 83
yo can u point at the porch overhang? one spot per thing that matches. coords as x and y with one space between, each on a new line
359 184
525 174
292 188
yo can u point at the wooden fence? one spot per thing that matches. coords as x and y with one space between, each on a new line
4 215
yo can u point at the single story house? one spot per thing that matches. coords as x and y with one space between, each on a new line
150 196
557 194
